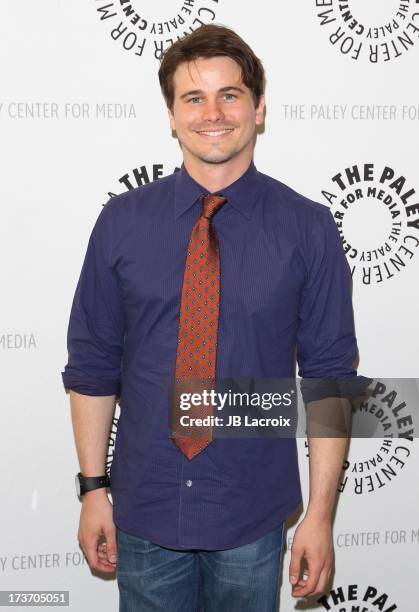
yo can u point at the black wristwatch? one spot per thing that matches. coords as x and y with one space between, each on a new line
90 483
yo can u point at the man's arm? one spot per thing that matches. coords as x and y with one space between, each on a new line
327 352
95 342
92 418
326 456
328 430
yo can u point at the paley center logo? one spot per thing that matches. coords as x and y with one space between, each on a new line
357 598
376 31
383 430
376 209
148 27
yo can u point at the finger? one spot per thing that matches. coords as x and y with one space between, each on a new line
303 580
103 556
295 564
313 578
90 548
111 547
89 544
103 563
105 567
321 585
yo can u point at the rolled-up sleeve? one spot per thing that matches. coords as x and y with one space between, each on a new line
326 342
96 329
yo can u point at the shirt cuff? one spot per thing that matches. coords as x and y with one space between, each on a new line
313 389
91 386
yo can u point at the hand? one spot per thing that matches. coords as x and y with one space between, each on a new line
96 521
313 541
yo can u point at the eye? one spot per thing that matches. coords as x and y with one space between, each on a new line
231 95
194 98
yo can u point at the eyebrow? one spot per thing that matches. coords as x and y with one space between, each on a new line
195 92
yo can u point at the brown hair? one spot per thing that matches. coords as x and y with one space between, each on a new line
211 40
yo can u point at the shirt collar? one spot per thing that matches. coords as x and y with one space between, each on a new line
241 194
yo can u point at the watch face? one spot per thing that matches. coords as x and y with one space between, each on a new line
78 485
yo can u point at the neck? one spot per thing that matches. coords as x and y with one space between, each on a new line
215 177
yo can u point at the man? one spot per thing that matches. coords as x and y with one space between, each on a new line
191 512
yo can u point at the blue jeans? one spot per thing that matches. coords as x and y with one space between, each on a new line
152 578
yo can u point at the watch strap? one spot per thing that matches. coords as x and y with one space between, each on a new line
90 483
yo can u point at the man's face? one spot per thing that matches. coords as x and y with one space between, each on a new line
213 111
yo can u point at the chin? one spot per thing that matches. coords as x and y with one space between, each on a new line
219 159
215 157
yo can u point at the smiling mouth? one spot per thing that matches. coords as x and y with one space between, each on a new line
215 133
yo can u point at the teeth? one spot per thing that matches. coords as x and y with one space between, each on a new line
218 133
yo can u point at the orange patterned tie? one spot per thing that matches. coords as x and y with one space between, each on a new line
197 336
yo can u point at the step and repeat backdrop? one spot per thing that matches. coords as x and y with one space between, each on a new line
82 119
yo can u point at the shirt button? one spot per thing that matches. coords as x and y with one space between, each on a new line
189 483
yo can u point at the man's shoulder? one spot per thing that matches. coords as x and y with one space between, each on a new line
284 199
144 193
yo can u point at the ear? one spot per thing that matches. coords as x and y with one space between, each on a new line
260 110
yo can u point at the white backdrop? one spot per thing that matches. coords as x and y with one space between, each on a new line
81 115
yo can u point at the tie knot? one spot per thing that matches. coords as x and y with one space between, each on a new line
210 205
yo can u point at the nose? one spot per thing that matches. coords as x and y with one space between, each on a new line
213 111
